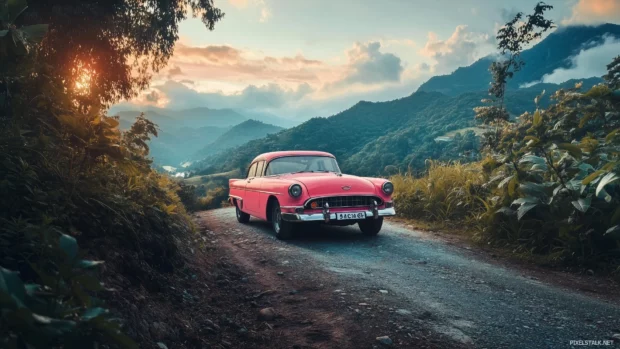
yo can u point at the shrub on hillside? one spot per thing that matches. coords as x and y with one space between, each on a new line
556 175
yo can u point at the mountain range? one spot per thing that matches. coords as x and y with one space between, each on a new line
544 58
369 137
191 134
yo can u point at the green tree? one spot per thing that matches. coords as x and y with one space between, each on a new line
115 44
613 73
511 40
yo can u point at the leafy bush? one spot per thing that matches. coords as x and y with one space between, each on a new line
556 179
60 310
549 187
67 171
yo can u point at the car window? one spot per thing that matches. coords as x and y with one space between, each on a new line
259 169
252 170
291 164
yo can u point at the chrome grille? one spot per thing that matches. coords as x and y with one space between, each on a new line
345 201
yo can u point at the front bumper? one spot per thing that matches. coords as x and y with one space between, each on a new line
317 217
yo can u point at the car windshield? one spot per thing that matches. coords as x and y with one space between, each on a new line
292 164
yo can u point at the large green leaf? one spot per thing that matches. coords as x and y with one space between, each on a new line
11 283
606 180
572 149
525 208
614 229
537 118
611 135
533 159
526 200
69 246
87 264
591 177
582 204
533 189
504 182
92 313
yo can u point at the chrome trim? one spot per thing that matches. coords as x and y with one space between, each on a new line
313 217
291 207
262 191
326 215
331 196
235 197
375 209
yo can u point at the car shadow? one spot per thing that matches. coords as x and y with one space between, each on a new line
316 234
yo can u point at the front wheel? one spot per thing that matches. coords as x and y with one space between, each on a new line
282 228
242 217
371 226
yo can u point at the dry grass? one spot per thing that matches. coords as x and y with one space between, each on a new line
448 194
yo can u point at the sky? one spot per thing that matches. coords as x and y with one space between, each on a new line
300 59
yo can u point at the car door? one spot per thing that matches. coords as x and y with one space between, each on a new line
247 197
253 188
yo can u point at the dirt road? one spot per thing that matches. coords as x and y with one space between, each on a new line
409 287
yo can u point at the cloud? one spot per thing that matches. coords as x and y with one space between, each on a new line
367 66
179 96
227 63
240 4
265 11
223 76
508 14
174 71
152 96
462 48
594 12
589 62
265 14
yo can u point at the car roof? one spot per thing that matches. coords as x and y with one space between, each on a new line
279 154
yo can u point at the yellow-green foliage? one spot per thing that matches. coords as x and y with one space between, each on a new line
447 193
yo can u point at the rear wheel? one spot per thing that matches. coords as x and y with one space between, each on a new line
282 228
242 217
371 226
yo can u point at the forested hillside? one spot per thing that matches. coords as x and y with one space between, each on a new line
236 136
368 137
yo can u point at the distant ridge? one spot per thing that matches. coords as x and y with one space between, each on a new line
548 55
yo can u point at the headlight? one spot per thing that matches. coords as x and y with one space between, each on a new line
294 190
388 188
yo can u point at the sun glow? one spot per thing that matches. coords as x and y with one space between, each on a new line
84 76
83 81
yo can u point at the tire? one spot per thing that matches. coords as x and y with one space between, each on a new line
283 229
242 217
371 226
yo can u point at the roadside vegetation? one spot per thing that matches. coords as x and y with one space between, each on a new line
69 177
206 192
548 185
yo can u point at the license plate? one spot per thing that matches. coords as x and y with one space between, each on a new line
350 215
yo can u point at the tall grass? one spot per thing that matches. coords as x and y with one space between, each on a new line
447 194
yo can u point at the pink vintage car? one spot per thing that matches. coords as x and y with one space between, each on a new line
287 188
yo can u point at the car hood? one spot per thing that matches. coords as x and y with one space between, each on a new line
330 184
